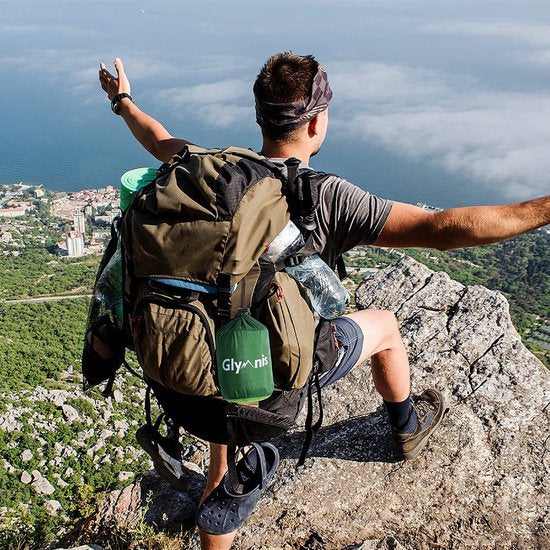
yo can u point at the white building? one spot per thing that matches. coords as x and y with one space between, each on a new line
114 213
75 244
80 223
13 212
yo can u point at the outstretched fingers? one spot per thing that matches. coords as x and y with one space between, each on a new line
112 84
108 82
123 82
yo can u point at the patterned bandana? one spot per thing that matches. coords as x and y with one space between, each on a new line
288 116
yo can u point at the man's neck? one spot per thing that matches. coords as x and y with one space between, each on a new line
286 150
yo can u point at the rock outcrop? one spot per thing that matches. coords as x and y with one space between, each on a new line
482 480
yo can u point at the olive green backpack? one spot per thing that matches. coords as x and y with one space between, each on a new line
192 244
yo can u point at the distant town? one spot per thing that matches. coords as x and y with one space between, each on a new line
77 224
68 224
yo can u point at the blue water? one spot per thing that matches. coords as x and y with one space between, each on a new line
58 130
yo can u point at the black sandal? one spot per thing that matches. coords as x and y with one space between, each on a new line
167 455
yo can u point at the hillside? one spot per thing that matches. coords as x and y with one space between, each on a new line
482 481
40 347
519 268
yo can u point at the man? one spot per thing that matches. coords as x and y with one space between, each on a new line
292 96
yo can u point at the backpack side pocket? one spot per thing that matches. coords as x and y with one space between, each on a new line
291 333
175 346
103 351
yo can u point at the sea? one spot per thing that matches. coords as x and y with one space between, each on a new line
406 78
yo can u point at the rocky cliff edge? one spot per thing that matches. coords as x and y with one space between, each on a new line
481 481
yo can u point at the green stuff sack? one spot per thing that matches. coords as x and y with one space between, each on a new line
244 360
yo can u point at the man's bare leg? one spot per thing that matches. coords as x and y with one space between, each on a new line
383 344
216 471
391 374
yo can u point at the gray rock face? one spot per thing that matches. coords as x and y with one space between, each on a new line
70 413
26 455
40 484
152 499
83 547
43 486
26 478
482 480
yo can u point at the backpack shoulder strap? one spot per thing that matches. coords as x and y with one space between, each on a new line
341 268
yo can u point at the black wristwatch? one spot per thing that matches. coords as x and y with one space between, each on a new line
115 102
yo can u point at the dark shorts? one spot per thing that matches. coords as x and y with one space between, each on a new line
350 340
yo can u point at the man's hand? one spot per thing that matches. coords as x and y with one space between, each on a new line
114 85
148 131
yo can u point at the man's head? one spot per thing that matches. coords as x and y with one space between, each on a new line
290 91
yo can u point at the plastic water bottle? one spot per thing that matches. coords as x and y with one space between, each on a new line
325 291
286 243
108 289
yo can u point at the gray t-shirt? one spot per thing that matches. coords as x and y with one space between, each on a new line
347 216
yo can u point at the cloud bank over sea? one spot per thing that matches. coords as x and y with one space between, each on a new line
461 87
501 138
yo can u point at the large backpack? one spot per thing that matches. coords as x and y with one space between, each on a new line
192 245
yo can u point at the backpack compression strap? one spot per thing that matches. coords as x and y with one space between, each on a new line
341 268
224 298
302 193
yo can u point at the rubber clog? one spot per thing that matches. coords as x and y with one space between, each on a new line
224 510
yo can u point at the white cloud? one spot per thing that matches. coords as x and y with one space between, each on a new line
499 138
222 91
19 29
54 63
55 30
220 104
77 70
223 115
537 57
382 83
531 33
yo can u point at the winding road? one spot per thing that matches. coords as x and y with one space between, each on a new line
46 299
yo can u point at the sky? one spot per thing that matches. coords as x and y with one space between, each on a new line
440 101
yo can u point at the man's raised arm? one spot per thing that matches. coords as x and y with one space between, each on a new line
412 226
148 131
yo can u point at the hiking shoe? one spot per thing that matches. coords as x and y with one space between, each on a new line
430 409
224 510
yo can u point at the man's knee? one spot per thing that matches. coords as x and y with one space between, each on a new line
380 329
391 322
383 320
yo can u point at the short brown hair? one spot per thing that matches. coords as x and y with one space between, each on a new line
285 78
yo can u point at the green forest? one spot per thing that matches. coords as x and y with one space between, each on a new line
37 340
35 272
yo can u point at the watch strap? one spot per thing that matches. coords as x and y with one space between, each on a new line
115 102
